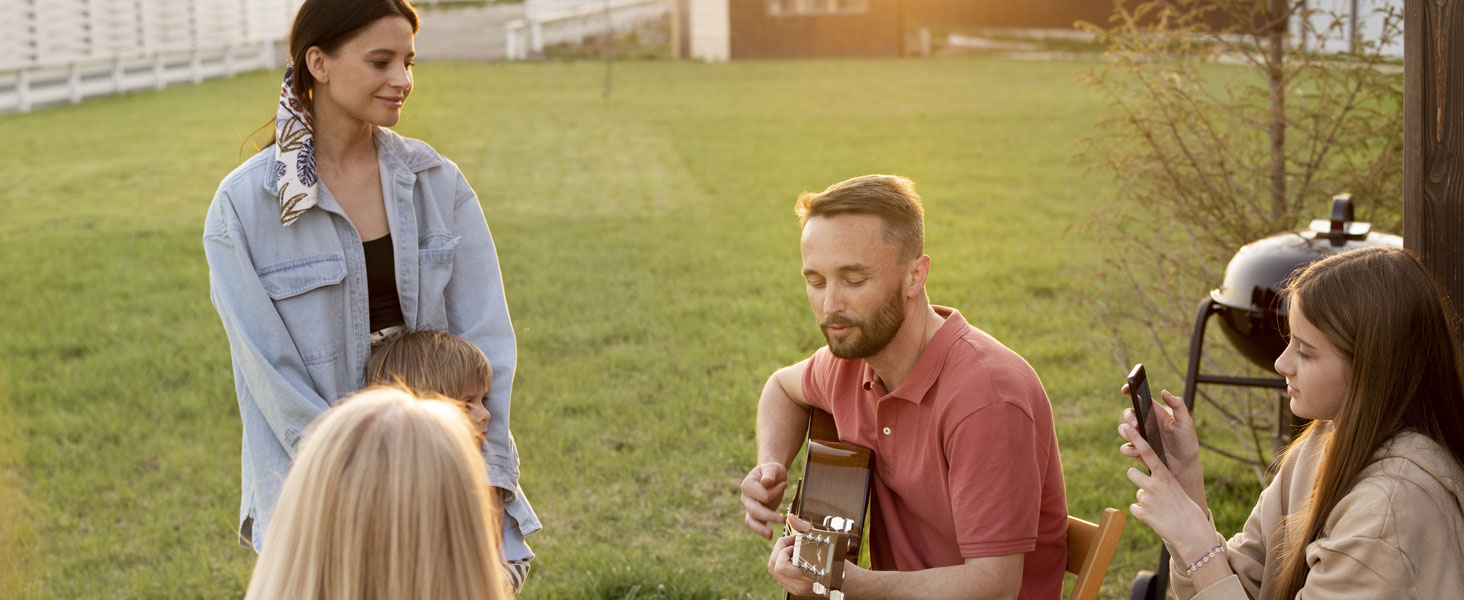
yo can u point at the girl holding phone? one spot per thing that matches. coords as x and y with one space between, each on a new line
1368 502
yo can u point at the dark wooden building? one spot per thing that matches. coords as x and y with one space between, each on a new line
1035 14
815 28
761 29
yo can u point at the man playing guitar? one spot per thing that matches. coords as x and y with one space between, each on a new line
968 494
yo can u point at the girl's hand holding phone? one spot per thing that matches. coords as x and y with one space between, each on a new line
1164 505
1181 445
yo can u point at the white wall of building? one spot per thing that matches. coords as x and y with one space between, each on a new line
709 30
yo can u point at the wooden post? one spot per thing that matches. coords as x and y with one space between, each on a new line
22 90
900 49
1433 139
73 81
675 30
195 42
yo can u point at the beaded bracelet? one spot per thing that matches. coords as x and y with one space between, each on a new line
1204 559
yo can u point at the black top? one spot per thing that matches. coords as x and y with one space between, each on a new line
386 307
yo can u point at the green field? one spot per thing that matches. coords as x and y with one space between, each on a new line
650 255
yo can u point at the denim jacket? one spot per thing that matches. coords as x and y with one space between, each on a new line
294 304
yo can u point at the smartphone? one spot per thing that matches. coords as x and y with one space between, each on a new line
1144 411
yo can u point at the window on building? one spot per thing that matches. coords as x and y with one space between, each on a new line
789 8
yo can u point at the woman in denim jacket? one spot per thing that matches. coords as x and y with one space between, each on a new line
342 229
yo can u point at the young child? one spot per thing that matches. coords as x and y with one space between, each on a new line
441 363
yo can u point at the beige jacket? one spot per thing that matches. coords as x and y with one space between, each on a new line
1398 534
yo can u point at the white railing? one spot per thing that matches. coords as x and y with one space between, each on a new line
1335 24
549 22
56 51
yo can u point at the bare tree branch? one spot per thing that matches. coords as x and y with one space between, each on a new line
1226 129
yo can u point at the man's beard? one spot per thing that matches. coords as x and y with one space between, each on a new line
869 336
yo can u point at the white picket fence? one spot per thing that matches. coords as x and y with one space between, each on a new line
57 51
548 22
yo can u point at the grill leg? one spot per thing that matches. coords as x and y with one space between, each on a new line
1197 346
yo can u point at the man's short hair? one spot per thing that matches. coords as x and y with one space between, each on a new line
890 197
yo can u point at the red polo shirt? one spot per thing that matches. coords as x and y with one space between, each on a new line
965 455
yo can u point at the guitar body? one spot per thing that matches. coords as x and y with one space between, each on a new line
833 495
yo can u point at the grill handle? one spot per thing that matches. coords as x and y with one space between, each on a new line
1342 227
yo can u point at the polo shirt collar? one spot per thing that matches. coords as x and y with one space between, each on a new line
932 359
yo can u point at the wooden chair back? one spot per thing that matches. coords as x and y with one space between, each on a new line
1090 549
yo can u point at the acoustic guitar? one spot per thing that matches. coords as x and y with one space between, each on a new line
833 496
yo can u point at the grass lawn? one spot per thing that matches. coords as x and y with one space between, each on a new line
650 254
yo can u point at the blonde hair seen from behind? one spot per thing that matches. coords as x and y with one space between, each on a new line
388 498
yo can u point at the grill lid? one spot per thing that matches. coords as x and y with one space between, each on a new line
1255 276
1251 311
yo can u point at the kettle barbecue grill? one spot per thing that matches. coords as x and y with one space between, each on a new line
1253 316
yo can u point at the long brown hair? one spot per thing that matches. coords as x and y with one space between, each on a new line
1388 317
328 24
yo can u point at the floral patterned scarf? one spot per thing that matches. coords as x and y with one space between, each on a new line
295 177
